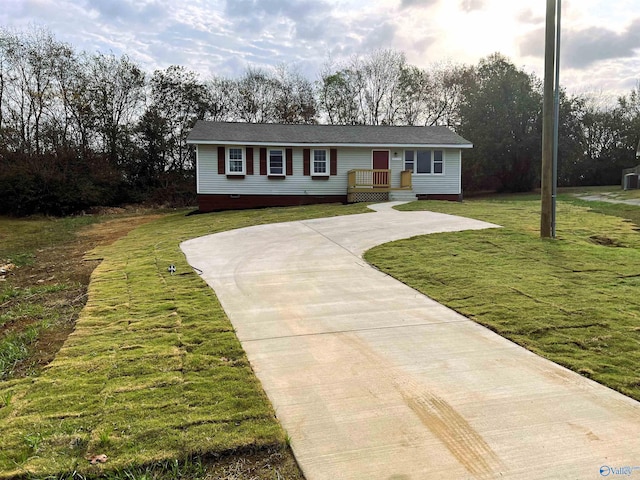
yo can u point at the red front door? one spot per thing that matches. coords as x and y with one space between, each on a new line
381 162
381 159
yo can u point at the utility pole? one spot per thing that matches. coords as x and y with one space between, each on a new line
546 214
556 119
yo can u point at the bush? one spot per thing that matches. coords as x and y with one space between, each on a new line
57 183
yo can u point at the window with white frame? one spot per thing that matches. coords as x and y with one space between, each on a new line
409 156
427 162
423 161
438 162
276 162
235 161
320 162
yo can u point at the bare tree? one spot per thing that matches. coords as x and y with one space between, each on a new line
366 90
337 96
221 94
294 98
448 85
27 89
256 97
415 87
5 70
179 98
116 91
377 78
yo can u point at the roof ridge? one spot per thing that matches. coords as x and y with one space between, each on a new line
295 133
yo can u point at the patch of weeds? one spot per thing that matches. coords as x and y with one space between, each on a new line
22 259
14 347
104 439
9 292
192 468
33 441
22 310
5 399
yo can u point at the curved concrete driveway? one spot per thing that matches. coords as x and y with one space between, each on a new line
607 199
373 380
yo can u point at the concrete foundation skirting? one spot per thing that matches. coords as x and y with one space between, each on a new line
452 197
213 203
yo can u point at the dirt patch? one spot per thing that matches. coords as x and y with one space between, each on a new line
60 276
605 241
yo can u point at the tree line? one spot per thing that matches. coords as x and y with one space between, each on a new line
79 129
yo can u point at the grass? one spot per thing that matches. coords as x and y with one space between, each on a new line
28 314
154 377
153 372
42 305
14 347
573 300
20 239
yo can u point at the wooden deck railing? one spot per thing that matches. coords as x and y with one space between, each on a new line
405 179
375 180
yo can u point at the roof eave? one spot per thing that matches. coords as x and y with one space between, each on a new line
329 144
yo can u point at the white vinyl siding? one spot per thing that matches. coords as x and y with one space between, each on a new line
207 168
396 164
349 158
449 182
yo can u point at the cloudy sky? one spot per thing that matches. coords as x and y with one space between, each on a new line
601 38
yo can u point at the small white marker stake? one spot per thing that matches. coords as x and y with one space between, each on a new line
172 269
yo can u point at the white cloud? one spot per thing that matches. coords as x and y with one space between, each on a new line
470 5
600 42
418 3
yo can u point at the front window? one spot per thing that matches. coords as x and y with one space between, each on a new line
426 162
276 162
320 162
235 161
408 160
438 162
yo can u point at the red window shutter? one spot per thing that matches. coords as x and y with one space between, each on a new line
221 161
334 162
289 154
249 168
306 161
263 161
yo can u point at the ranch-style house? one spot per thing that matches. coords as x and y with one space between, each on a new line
249 165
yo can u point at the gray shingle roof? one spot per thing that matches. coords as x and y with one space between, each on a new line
295 135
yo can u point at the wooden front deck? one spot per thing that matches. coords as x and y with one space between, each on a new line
374 185
375 180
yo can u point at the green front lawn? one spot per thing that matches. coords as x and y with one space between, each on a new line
573 300
153 370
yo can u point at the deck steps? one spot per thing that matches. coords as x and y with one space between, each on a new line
402 196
